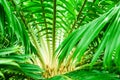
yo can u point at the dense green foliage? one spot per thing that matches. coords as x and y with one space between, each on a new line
86 75
43 38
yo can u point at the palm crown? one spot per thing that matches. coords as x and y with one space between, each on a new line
59 36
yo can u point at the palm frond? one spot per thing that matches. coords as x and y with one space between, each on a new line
14 63
14 47
87 33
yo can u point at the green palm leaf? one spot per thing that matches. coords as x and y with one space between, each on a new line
87 33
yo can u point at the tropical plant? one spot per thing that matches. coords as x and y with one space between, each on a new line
14 65
63 35
85 75
14 48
